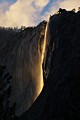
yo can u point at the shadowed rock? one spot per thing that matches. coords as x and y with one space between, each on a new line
60 97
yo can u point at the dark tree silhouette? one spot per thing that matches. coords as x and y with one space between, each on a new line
6 112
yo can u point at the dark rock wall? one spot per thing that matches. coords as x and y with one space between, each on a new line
60 98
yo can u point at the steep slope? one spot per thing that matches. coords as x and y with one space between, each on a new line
22 53
60 97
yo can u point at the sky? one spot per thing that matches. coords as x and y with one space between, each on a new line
16 13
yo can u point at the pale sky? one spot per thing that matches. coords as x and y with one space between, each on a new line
30 12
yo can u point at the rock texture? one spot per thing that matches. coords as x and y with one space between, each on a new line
22 53
60 97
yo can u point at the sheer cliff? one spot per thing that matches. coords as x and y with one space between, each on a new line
60 97
23 52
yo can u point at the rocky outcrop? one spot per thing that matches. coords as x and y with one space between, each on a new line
60 97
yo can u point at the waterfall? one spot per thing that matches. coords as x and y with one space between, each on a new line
41 81
28 73
23 55
45 40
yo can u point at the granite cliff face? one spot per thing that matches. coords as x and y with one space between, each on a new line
60 97
23 53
